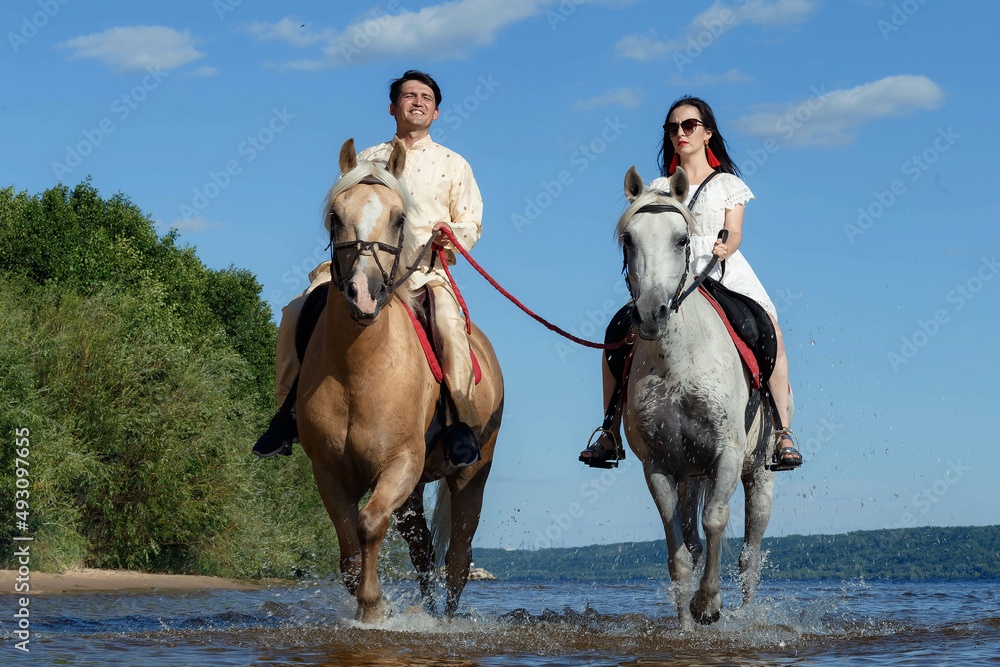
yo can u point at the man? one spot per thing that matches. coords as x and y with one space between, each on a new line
447 197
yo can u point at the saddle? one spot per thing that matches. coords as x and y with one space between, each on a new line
753 328
748 323
313 308
429 339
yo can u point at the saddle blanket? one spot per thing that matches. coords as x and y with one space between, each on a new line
749 360
431 354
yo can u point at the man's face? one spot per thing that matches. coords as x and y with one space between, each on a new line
415 109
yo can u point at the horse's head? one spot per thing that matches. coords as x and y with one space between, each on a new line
653 233
366 212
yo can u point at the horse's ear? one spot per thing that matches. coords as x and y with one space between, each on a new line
633 184
397 159
348 158
679 185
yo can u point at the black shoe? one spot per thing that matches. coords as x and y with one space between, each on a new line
277 439
461 446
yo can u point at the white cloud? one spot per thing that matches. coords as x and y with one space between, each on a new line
834 118
732 76
289 29
624 97
454 29
205 70
136 47
644 47
710 25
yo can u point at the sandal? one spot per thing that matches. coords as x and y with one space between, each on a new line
787 457
596 456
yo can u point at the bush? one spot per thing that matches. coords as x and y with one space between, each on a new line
143 377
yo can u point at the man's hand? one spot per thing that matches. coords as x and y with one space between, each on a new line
441 239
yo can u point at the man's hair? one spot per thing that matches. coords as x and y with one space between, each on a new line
396 85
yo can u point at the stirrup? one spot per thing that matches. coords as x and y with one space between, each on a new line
604 459
776 462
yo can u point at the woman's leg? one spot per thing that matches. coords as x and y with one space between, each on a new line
779 389
607 446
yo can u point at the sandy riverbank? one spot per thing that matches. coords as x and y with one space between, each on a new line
85 579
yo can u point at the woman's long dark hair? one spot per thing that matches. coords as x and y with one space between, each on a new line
716 143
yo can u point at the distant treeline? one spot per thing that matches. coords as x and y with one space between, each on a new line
144 377
905 553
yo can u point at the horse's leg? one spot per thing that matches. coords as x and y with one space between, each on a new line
707 601
392 488
466 505
412 526
688 492
758 486
343 512
663 487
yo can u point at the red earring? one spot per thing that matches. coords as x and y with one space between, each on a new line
673 165
713 161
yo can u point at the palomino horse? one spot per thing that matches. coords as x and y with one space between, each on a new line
684 416
366 395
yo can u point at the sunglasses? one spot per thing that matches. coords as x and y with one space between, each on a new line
688 126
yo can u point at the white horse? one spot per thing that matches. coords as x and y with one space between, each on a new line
686 396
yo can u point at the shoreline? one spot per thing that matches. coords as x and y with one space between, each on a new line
92 580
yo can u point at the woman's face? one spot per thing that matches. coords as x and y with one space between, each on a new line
688 142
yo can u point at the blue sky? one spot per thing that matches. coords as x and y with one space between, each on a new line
865 128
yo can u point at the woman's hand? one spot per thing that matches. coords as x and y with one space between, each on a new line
720 249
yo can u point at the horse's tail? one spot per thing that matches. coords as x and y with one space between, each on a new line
441 523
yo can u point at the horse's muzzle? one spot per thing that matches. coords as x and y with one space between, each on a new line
366 296
650 317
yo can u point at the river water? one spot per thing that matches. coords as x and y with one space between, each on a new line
539 624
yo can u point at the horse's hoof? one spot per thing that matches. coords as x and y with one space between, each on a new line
704 619
708 620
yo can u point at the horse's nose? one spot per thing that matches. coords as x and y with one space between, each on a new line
352 291
657 313
650 317
378 290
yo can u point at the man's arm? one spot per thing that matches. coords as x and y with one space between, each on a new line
466 207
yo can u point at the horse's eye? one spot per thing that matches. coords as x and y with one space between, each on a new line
684 240
627 240
335 222
399 221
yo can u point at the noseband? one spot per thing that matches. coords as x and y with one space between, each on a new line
352 251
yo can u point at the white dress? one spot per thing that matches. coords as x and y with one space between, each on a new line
724 191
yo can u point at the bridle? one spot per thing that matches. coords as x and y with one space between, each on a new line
352 251
679 293
663 208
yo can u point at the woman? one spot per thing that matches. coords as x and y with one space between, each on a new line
691 140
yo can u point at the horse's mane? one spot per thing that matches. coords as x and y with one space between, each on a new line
409 254
650 196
